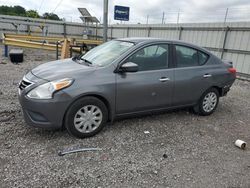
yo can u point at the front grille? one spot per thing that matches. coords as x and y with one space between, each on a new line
24 83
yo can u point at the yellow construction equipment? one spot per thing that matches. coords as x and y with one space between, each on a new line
29 44
50 39
65 49
33 37
47 43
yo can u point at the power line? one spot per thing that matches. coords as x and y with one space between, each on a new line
40 5
57 6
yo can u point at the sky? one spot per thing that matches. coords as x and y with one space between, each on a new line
145 11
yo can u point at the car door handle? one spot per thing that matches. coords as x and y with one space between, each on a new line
164 79
207 75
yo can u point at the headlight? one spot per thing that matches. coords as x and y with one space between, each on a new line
45 91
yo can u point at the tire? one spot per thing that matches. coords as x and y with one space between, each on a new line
86 117
207 103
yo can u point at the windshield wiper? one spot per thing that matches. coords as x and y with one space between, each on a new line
78 58
87 61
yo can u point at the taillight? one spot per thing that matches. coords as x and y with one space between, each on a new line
232 70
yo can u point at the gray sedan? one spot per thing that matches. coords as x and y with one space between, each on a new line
121 78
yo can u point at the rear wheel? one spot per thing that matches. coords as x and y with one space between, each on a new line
86 117
208 102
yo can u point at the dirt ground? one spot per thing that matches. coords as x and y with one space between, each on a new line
180 150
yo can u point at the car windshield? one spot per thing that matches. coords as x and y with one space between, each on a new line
106 53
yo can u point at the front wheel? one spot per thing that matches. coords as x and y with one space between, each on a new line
86 117
208 102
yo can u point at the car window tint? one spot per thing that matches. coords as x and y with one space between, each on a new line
151 58
186 57
202 58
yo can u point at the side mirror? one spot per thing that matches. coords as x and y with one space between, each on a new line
129 67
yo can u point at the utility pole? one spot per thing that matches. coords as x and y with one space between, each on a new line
162 21
105 20
225 19
147 19
178 17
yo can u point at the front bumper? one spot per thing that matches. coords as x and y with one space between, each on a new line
46 114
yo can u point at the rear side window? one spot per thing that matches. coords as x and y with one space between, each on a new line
189 57
202 58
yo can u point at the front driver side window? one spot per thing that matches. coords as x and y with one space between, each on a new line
151 57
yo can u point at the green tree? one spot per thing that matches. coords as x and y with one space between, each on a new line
50 16
4 10
18 10
32 14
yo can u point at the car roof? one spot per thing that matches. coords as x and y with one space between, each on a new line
146 40
143 39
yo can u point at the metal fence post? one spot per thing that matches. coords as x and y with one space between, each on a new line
111 33
28 27
224 41
128 32
64 30
96 31
57 50
149 29
180 31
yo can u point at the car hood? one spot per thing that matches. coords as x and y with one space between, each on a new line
60 69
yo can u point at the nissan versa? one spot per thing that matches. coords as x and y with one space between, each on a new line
120 78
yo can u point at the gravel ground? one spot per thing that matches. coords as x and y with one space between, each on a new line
180 150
